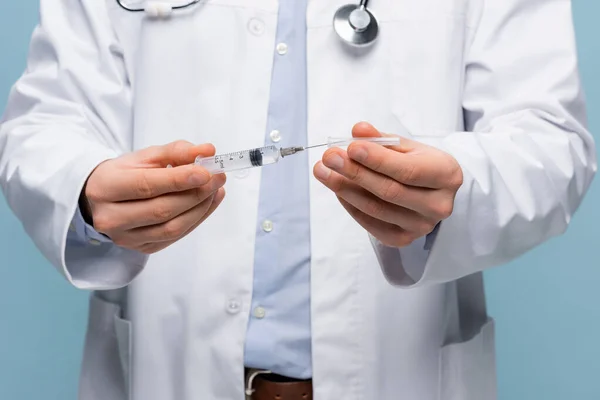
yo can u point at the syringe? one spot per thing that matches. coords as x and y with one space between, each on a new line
271 154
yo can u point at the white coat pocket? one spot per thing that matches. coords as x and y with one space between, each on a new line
427 70
106 358
468 369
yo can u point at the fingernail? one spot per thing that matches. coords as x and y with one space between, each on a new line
334 161
322 172
358 153
220 180
198 179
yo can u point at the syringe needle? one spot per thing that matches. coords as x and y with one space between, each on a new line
384 141
315 145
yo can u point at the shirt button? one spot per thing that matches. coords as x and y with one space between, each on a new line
259 312
282 48
95 242
275 136
234 306
267 225
72 227
256 26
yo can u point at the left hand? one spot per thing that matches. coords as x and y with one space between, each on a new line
397 193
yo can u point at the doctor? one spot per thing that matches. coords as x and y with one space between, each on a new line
353 273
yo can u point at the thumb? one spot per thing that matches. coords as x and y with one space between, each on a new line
365 129
175 154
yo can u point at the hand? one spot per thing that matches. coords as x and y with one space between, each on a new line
398 193
142 205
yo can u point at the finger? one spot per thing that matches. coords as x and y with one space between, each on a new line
375 207
176 153
147 183
175 228
337 178
421 169
150 248
172 229
128 215
217 200
339 161
364 129
388 234
430 167
166 233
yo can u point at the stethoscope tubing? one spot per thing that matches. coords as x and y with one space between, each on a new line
176 7
354 37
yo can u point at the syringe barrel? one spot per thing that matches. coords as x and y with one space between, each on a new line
239 160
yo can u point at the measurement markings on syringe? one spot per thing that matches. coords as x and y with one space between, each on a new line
255 156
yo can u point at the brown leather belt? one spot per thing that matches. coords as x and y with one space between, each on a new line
276 387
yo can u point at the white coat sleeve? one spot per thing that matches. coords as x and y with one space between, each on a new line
527 157
68 112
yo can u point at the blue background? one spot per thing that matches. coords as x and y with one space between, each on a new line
547 304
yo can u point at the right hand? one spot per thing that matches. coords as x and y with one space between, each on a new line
142 205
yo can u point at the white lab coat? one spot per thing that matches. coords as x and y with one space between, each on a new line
494 83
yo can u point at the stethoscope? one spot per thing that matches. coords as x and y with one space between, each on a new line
353 23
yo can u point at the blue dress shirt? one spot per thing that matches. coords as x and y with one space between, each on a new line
279 337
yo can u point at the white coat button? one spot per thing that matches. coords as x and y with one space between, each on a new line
282 48
241 174
256 26
259 312
234 306
275 136
267 225
95 242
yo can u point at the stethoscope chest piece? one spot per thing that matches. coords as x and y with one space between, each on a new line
355 24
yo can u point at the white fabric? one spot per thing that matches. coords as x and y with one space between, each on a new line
158 9
493 82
